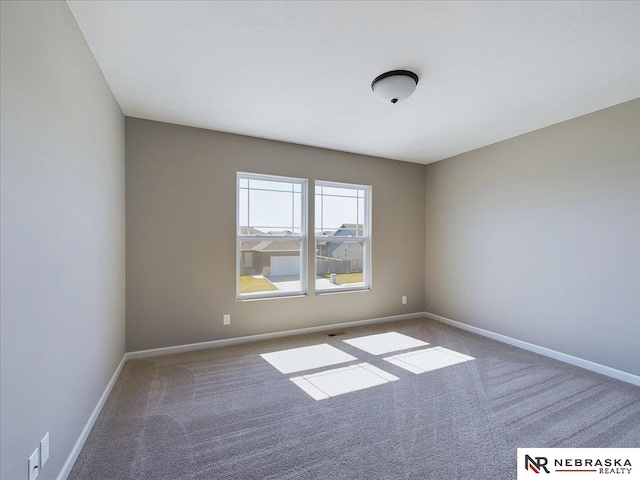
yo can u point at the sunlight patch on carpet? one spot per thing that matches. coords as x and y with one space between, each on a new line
339 381
385 343
306 358
427 360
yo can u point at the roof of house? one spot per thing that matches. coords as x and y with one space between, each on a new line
255 231
249 231
281 233
246 245
354 229
270 245
346 230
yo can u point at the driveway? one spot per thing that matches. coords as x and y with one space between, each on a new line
291 283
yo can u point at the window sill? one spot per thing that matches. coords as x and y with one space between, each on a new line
340 291
278 297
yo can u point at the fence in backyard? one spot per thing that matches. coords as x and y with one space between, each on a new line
327 265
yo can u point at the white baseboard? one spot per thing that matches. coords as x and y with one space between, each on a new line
77 448
547 352
265 336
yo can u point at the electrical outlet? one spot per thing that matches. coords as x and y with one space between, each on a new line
226 319
44 450
34 467
404 299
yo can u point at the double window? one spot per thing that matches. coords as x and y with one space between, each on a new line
272 242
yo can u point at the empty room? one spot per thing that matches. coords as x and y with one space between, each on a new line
319 240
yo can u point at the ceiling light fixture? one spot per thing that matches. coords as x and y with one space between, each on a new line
394 86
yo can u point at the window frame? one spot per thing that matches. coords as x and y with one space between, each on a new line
302 237
365 239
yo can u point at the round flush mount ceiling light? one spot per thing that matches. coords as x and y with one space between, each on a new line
394 86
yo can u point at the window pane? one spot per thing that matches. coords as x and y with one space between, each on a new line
339 264
273 205
341 213
339 191
269 206
361 217
318 213
270 266
297 213
271 211
271 185
243 209
338 211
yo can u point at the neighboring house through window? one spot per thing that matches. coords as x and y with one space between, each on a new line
271 245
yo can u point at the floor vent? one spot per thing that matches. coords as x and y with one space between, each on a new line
335 334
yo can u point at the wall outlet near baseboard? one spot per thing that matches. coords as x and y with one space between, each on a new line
34 464
44 450
226 319
404 299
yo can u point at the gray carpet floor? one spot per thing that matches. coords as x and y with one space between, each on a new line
226 413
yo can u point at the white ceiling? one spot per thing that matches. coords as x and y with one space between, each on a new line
301 71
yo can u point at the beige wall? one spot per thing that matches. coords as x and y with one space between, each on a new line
537 237
181 235
62 234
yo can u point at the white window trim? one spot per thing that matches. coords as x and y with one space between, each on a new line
304 280
365 239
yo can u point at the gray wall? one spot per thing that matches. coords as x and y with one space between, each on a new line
181 235
537 237
62 234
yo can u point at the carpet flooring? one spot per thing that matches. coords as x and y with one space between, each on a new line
226 413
